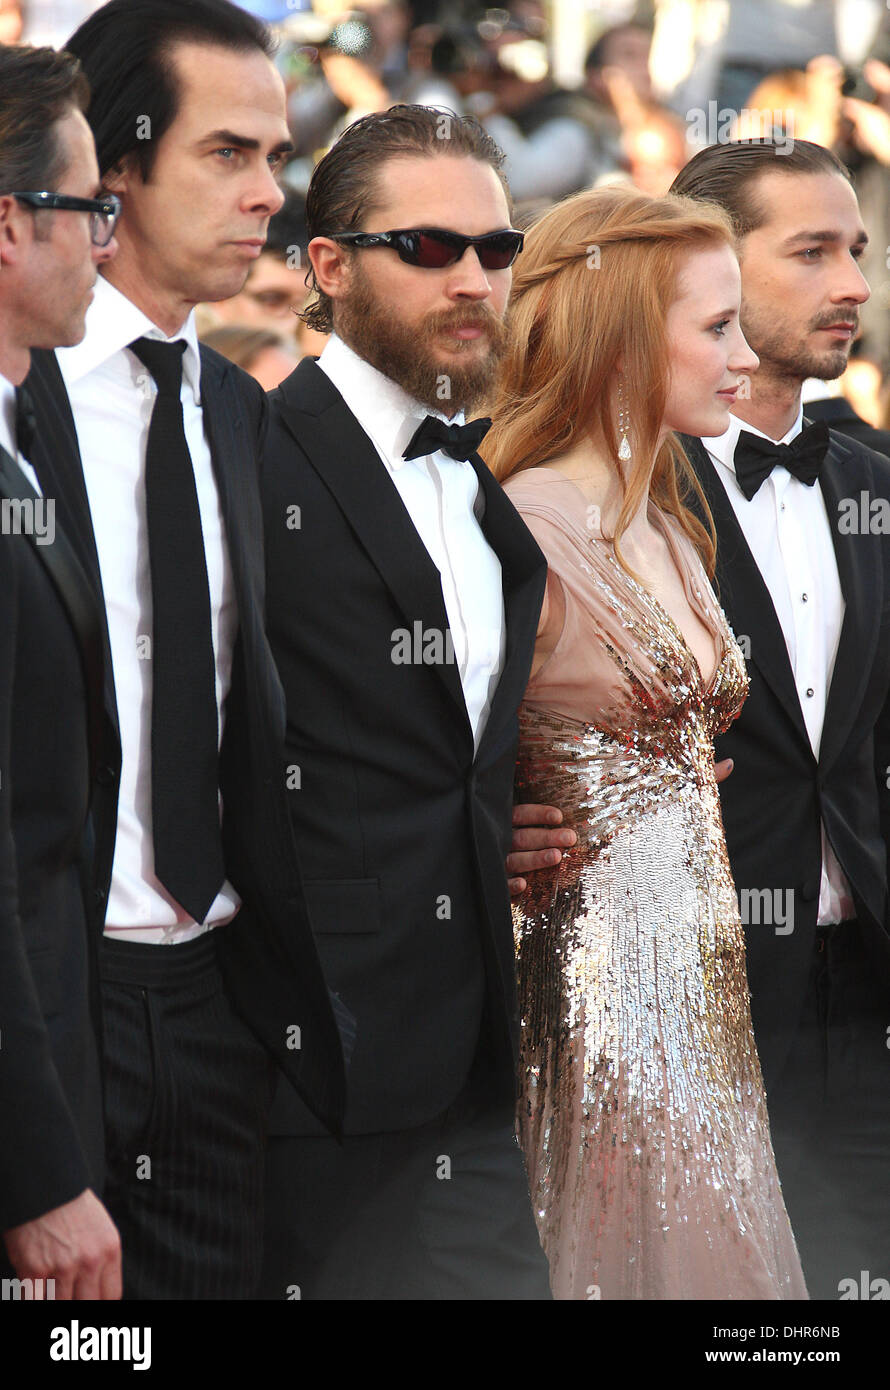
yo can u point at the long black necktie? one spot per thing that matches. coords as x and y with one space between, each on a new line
460 441
25 422
184 720
755 458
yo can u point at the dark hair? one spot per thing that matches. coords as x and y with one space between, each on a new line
125 49
725 174
343 188
38 87
597 54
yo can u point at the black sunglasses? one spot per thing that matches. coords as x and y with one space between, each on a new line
434 249
104 211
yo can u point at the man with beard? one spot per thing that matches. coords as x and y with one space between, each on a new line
803 574
403 594
807 809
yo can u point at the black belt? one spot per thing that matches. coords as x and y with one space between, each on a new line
146 963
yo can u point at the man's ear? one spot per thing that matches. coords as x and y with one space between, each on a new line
12 230
332 265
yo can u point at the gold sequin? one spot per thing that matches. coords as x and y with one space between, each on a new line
643 1117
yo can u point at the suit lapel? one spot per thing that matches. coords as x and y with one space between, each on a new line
75 591
338 448
524 572
847 474
57 461
234 471
743 593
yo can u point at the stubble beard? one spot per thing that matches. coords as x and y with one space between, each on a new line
404 352
783 357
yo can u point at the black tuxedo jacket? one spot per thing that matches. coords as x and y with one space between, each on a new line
51 681
778 792
268 956
402 831
837 412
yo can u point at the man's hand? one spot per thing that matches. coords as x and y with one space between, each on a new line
356 85
76 1245
871 126
537 843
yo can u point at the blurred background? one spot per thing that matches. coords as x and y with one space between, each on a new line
577 93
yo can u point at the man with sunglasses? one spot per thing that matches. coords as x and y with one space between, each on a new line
57 1237
403 594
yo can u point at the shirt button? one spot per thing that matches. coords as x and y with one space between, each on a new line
804 598
810 692
782 508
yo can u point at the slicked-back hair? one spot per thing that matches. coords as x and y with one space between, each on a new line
126 52
343 190
38 87
726 174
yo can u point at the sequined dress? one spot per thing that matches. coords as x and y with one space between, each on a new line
643 1117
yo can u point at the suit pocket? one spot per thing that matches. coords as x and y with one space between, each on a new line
343 904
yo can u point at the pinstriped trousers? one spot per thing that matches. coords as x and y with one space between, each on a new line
187 1093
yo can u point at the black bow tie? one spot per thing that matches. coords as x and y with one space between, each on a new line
755 458
25 422
460 441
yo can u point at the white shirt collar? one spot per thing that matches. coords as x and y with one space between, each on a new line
722 446
383 409
7 416
113 322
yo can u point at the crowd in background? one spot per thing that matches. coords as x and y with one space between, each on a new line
577 93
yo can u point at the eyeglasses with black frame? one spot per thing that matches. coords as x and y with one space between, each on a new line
104 212
433 248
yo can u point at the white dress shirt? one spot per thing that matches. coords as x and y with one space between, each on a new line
787 529
7 432
439 493
112 395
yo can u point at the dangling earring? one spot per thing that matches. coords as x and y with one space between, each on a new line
623 426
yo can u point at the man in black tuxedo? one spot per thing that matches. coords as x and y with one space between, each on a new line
51 1145
403 593
803 574
803 569
150 445
837 412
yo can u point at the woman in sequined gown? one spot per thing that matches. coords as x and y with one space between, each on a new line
643 1117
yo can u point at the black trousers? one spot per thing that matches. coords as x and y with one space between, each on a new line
187 1093
830 1120
438 1212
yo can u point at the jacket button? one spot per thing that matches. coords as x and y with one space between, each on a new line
99 895
106 776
